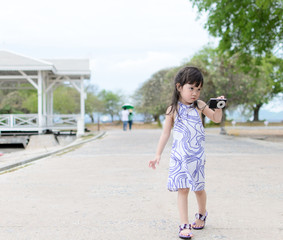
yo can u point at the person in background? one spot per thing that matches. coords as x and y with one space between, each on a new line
130 119
125 118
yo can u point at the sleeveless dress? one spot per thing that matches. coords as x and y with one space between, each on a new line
187 160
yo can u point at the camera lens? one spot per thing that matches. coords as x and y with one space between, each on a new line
221 104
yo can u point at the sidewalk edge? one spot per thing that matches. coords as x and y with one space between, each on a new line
25 161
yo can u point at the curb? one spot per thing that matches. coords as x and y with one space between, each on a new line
25 161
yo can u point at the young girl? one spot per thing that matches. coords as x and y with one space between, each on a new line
187 159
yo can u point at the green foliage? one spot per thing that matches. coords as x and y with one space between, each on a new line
18 101
30 102
265 85
111 103
251 28
223 75
154 96
212 124
206 60
66 100
12 103
249 32
93 103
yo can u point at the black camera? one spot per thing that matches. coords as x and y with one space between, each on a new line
217 103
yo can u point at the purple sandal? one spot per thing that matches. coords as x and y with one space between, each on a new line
182 227
202 218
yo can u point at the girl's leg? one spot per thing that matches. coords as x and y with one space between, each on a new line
183 208
201 199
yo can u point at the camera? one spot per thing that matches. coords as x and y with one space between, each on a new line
217 103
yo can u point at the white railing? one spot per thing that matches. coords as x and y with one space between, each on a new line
18 120
24 120
13 121
4 120
61 120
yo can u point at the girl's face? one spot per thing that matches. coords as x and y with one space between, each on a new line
188 93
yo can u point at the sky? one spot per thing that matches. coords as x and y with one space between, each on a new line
126 41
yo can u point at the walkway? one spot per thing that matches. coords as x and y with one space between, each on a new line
104 190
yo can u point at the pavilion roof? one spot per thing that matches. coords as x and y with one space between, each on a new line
71 66
10 61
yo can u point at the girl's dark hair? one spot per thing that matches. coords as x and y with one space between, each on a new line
190 75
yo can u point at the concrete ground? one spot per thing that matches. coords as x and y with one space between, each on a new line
105 190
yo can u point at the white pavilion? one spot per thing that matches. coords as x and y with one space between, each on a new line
45 75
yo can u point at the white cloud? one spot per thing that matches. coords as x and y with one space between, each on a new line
151 60
127 41
275 105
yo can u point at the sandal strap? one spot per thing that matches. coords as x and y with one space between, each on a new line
201 217
185 226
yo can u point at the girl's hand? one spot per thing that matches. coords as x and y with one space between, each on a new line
220 97
153 162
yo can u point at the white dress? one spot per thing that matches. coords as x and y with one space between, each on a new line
187 158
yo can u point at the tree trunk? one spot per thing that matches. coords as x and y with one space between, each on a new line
156 119
222 123
256 111
98 123
203 119
91 117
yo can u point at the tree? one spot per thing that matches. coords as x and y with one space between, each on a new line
66 100
30 102
12 103
18 101
220 78
112 103
153 97
207 61
251 28
93 104
223 75
266 84
249 31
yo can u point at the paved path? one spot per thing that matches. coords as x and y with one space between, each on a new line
104 190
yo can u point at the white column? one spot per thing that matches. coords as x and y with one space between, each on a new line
39 99
48 108
44 85
51 106
81 120
82 99
49 102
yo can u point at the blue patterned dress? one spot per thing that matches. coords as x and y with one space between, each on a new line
187 159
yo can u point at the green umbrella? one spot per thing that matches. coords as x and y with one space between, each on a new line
128 106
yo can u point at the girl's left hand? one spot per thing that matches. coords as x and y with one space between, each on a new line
152 163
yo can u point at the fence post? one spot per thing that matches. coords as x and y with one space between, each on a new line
11 120
80 127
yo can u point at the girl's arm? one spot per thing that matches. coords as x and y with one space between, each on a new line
215 115
163 139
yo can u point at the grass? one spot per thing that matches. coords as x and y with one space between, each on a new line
119 125
68 150
88 136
